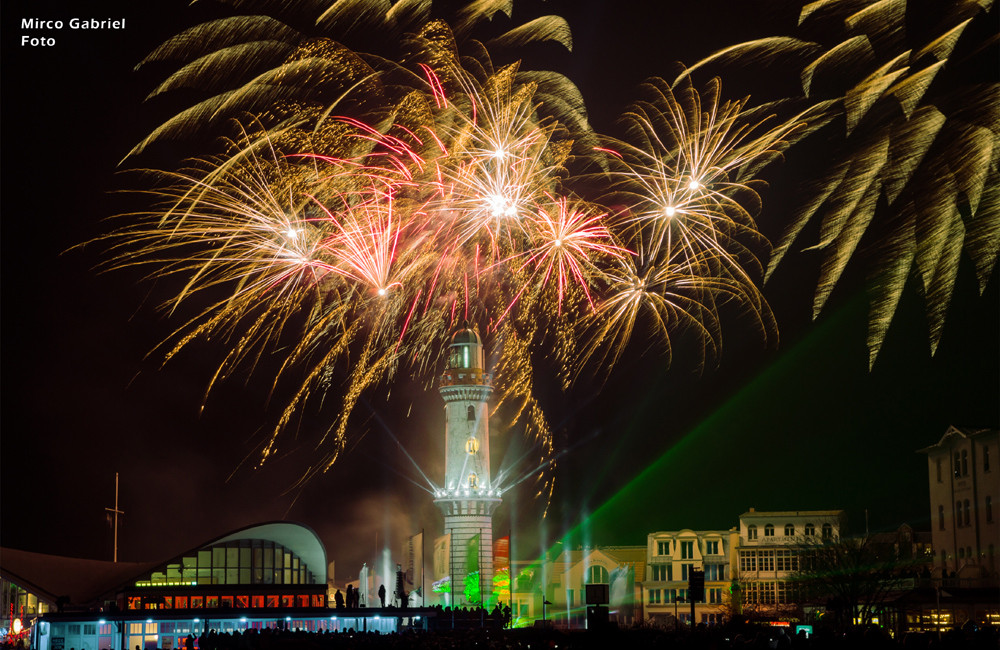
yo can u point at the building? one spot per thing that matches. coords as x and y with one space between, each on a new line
263 577
555 589
468 497
964 481
670 557
770 547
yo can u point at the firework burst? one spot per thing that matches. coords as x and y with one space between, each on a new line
371 209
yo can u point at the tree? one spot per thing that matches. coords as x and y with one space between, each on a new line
853 577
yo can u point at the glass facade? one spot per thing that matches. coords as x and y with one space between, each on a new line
239 562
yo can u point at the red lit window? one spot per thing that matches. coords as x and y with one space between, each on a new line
273 601
211 602
287 600
168 602
181 602
319 600
243 601
197 602
257 601
135 602
226 601
303 600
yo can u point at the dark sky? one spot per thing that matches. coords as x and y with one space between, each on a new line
798 425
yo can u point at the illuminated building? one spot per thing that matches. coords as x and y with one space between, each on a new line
963 470
562 579
670 556
468 497
266 577
770 547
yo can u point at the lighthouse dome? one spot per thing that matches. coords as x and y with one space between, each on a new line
465 335
465 349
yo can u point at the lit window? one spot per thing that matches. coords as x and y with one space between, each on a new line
751 532
789 530
769 530
471 445
473 481
809 530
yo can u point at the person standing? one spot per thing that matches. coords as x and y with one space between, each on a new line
381 594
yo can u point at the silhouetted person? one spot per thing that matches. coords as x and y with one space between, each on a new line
350 597
381 594
338 599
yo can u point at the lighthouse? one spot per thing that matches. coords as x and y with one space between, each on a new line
468 497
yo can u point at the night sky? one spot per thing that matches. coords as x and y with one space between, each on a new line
798 423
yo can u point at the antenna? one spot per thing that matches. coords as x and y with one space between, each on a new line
116 512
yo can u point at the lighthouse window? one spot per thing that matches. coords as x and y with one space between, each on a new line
471 445
473 481
471 413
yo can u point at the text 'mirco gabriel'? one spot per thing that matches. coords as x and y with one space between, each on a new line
93 24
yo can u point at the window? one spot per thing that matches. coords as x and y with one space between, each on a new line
659 572
986 458
940 517
939 470
663 548
769 530
961 553
597 575
654 596
958 513
473 481
712 547
765 561
748 561
957 467
967 508
989 509
827 531
789 530
968 552
809 530
471 446
687 550
470 414
965 462
751 532
684 571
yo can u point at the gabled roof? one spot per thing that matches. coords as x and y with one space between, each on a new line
955 432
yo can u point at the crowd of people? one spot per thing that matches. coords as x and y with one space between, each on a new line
610 638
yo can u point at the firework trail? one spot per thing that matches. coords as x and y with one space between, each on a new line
909 97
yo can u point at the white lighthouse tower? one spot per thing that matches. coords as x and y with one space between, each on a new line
468 497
